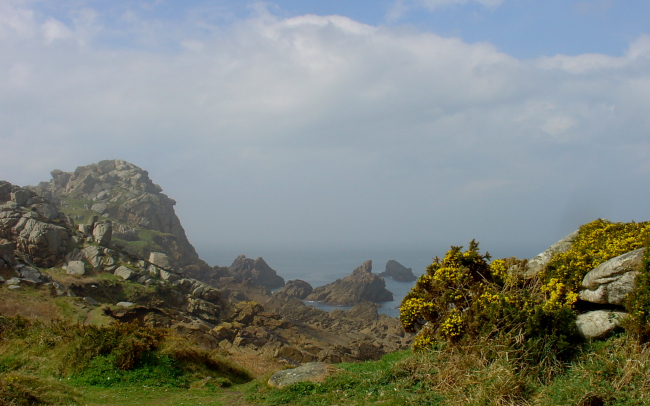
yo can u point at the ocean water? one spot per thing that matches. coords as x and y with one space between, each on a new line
322 267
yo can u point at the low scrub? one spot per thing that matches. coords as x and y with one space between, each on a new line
35 355
611 372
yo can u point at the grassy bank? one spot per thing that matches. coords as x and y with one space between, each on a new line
60 362
612 372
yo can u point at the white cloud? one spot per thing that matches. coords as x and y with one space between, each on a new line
320 118
54 30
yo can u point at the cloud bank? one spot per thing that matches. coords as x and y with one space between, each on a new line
320 130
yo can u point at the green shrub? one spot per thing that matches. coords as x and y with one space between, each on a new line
124 343
638 303
151 369
464 298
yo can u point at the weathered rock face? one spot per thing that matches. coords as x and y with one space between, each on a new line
123 192
103 232
257 271
535 265
398 272
361 286
31 227
295 288
611 281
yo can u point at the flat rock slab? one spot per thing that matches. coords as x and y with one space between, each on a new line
309 372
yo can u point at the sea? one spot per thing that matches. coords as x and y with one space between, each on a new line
321 267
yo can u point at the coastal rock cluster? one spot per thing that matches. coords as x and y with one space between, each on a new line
67 243
257 271
361 285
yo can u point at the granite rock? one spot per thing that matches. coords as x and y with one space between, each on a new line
611 281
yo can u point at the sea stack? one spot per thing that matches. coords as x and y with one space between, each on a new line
362 285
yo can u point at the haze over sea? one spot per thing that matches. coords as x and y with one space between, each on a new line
322 266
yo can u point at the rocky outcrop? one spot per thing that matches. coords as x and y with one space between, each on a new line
223 318
257 271
398 272
607 286
611 281
535 265
295 288
31 228
122 192
361 286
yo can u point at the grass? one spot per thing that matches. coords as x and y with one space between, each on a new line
66 363
63 363
612 372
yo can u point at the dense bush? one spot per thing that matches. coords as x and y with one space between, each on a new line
464 296
596 243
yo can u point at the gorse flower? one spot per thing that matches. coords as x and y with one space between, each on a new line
464 296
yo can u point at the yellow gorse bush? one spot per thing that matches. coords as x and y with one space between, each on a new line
597 242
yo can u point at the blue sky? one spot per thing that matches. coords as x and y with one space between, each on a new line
414 123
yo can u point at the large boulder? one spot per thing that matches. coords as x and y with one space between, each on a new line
611 281
75 268
7 259
125 273
257 271
103 232
599 324
535 265
160 259
361 285
40 236
398 272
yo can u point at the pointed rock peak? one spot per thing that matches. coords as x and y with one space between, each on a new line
365 268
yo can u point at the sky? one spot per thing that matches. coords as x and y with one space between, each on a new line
401 124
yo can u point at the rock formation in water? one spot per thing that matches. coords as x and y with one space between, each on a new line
362 285
295 288
398 272
255 270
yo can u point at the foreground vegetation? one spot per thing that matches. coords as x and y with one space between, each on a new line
66 363
126 364
485 336
612 372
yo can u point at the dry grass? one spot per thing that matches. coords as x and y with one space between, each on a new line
466 377
256 365
28 302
